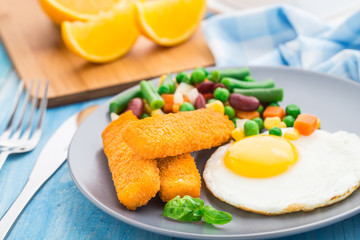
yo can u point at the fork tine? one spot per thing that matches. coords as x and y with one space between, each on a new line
32 111
41 115
10 124
26 102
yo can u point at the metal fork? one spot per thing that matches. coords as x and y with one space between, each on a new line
16 138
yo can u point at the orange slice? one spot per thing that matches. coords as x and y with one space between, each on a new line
170 22
72 10
109 36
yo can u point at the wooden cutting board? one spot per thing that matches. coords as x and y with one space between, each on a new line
35 47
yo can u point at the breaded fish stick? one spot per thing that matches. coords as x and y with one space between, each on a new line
178 176
175 134
136 179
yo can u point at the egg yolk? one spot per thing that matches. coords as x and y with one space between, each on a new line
260 156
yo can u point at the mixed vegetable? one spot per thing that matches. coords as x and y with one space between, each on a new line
251 105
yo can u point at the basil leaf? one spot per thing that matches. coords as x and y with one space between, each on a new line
186 209
213 216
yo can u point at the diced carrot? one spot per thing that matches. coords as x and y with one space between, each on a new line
208 96
306 124
186 99
247 115
274 111
176 108
169 102
206 80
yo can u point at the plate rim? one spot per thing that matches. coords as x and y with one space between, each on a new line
262 235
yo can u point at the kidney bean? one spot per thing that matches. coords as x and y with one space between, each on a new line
243 103
136 105
205 87
200 102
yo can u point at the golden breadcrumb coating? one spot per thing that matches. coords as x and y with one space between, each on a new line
178 176
175 134
136 179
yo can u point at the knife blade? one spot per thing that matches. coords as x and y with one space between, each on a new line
50 159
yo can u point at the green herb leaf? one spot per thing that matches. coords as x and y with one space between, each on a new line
186 209
213 216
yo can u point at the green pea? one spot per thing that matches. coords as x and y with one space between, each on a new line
229 111
221 94
274 104
198 76
186 106
144 115
183 77
275 131
260 109
211 100
259 122
251 128
289 120
203 69
292 110
234 119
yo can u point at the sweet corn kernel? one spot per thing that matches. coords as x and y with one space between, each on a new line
282 125
237 134
217 106
271 122
147 107
162 79
292 134
157 112
318 123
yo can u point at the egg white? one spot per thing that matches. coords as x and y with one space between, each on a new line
327 171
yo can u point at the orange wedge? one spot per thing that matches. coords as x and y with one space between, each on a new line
72 10
170 22
105 38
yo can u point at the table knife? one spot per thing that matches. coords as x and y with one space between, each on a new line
50 159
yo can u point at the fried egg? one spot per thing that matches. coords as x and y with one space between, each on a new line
272 175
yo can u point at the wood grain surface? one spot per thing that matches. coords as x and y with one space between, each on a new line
36 49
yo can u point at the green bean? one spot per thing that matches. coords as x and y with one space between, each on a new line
292 110
121 102
263 94
150 94
221 94
275 131
249 79
237 73
167 86
232 83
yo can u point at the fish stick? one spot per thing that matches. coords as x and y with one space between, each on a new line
176 134
136 179
178 176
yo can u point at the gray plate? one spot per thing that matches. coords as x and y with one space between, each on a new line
334 100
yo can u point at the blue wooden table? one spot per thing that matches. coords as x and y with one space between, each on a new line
60 211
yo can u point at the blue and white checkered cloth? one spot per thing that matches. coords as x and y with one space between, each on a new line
284 35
